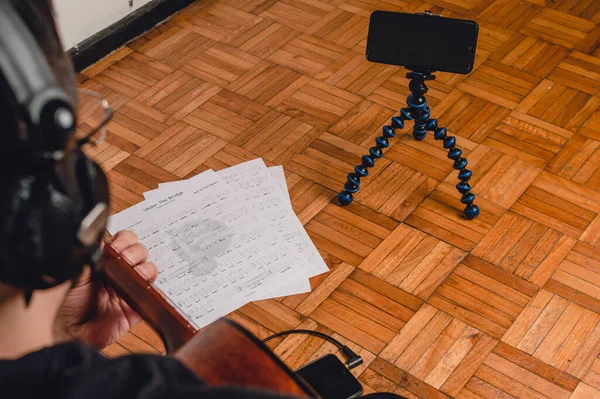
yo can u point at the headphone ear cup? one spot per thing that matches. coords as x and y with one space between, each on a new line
59 231
39 249
93 184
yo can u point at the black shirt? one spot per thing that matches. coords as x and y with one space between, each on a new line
74 370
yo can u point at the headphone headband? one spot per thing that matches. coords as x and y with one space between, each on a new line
41 100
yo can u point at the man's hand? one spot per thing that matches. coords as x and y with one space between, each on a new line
92 311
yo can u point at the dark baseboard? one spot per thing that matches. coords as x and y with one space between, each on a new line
121 32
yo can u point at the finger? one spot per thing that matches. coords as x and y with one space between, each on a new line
136 253
124 239
148 270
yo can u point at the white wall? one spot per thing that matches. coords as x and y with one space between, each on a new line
80 19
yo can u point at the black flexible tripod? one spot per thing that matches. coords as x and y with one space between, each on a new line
419 111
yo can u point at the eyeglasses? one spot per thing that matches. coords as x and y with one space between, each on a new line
93 114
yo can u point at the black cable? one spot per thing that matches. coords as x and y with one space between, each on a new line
308 332
353 359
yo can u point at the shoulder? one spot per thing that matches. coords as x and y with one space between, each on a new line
77 370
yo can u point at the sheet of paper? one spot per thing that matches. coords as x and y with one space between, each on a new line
238 177
270 183
278 212
221 242
251 185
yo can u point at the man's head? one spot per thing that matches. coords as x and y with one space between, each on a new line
54 198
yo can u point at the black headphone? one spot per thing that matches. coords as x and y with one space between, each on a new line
54 199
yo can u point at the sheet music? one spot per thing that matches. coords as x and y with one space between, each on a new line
212 206
222 239
252 183
253 180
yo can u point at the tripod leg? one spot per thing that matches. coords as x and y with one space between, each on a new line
368 161
460 163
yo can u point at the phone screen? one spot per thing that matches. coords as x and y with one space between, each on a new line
330 378
422 42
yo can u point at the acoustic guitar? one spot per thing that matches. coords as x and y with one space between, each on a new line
221 354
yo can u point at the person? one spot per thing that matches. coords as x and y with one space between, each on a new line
50 339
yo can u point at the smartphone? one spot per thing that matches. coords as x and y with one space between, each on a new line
330 378
422 42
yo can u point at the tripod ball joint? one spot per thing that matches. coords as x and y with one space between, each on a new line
471 212
345 198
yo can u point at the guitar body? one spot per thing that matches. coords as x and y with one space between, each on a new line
221 354
224 353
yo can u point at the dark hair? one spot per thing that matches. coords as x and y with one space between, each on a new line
38 16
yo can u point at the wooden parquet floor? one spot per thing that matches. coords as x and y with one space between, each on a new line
504 306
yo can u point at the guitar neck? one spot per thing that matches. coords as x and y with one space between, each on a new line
173 328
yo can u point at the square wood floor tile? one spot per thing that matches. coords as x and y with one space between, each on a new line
329 159
484 296
267 83
221 64
509 371
558 332
214 20
133 74
261 38
579 71
524 247
512 14
363 123
277 137
530 54
307 54
427 156
441 215
561 204
366 310
298 15
468 116
587 9
318 104
497 177
227 115
413 261
559 105
558 27
176 46
308 198
578 277
500 84
591 128
439 349
579 161
354 73
346 235
527 138
396 191
382 376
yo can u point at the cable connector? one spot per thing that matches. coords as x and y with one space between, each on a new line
354 360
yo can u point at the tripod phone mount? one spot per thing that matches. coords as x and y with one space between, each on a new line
418 111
